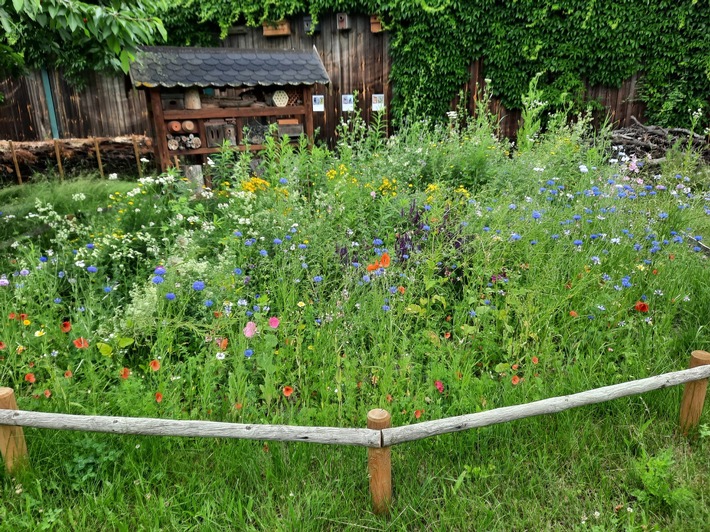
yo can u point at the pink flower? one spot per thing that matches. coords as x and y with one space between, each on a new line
439 386
250 329
274 322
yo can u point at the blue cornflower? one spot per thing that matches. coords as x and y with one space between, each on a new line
43 259
385 307
107 289
512 206
536 215
533 242
90 246
555 236
578 242
158 279
302 246
472 313
626 282
377 242
209 303
577 217
278 241
92 269
486 229
248 353
638 247
514 237
159 270
427 207
170 296
426 228
304 265
237 271
249 241
237 233
263 253
57 300
198 285
366 278
283 181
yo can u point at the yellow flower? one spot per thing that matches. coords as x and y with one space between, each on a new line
20 349
640 267
26 322
39 333
300 304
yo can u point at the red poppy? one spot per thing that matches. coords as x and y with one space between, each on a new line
23 317
535 360
12 316
3 346
68 374
154 365
573 313
158 397
217 314
401 289
238 406
287 391
515 380
514 366
447 335
30 377
125 373
418 413
641 306
655 272
65 327
81 343
47 394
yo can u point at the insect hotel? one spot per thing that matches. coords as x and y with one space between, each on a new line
203 99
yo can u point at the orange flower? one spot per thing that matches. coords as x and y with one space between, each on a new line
655 272
158 397
535 360
154 365
287 391
401 289
3 346
418 413
515 380
125 373
30 377
385 260
514 367
641 306
374 266
68 374
222 343
238 406
573 313
81 343
47 394
447 335
65 327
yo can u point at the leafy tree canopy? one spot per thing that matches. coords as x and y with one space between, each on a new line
77 36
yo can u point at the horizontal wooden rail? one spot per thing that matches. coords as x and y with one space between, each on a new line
406 433
344 436
203 429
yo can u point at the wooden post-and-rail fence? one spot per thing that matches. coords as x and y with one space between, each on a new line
379 436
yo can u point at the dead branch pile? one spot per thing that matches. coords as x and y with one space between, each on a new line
650 143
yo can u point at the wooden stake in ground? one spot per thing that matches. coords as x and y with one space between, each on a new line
57 151
17 166
12 439
694 395
138 157
98 157
379 464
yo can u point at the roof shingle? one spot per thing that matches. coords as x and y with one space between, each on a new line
167 66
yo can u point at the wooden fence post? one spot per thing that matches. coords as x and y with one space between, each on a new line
17 166
58 153
694 395
379 464
12 439
98 157
138 157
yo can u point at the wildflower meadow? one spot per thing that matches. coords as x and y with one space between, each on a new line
438 272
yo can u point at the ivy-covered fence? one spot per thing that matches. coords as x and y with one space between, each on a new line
575 43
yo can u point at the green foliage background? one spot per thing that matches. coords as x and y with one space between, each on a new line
432 44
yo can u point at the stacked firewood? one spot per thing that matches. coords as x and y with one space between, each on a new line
184 142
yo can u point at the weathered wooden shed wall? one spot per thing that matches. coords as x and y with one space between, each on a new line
355 59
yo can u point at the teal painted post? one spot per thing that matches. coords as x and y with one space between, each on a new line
50 104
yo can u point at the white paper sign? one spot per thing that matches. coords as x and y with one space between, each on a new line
318 103
378 102
348 103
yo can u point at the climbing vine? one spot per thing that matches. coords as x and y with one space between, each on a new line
571 42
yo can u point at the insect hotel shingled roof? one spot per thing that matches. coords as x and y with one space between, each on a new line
167 66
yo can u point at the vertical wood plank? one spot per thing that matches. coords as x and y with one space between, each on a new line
379 464
694 393
161 141
17 166
12 439
98 157
58 153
